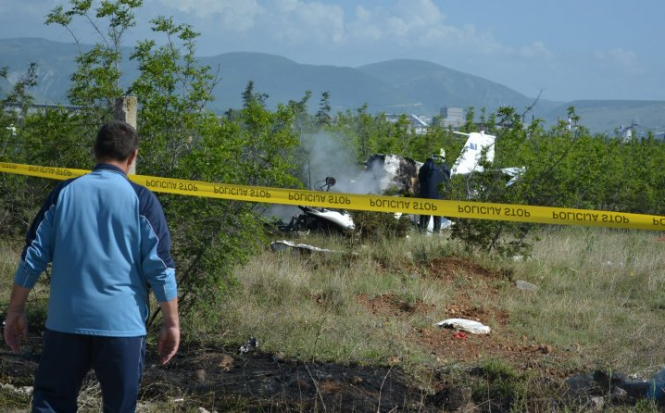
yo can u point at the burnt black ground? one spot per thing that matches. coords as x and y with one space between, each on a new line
221 380
267 383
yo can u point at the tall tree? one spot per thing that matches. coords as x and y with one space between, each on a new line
180 138
323 117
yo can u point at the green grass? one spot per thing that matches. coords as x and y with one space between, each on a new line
600 290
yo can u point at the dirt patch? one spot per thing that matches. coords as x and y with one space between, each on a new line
447 345
390 305
450 267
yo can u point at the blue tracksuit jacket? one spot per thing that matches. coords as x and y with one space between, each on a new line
107 240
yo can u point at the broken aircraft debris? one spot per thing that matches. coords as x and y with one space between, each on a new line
320 219
283 245
398 175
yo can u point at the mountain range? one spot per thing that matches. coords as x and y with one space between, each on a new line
394 86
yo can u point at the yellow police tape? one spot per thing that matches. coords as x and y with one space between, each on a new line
418 206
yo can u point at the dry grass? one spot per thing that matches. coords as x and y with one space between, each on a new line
601 298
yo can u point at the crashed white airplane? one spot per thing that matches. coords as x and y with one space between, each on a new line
469 159
400 175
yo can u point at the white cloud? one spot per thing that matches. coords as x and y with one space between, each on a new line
620 58
417 16
535 50
478 42
364 27
298 21
414 27
409 22
236 15
418 24
292 21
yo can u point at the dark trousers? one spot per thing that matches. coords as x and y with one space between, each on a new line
67 358
424 222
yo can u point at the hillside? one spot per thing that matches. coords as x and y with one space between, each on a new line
283 80
55 64
434 84
395 86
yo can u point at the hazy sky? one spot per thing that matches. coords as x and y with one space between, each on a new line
569 49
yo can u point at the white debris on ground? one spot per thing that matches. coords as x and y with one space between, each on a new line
283 245
469 326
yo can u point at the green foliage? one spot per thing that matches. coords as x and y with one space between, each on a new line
19 96
563 167
179 139
14 400
433 140
488 186
369 134
323 117
378 226
22 141
96 82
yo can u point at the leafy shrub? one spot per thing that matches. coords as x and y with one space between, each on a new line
376 226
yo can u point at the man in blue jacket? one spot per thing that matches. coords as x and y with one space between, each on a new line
431 175
109 244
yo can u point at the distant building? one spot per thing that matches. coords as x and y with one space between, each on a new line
417 124
16 108
452 117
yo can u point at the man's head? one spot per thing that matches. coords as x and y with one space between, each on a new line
116 141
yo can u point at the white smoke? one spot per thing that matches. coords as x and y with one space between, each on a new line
326 156
282 213
329 156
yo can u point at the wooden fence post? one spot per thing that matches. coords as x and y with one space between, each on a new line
125 110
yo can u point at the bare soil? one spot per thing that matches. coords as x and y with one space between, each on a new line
446 344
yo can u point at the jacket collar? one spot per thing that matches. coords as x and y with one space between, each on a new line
108 167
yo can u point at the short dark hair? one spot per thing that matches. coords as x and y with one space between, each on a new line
116 140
